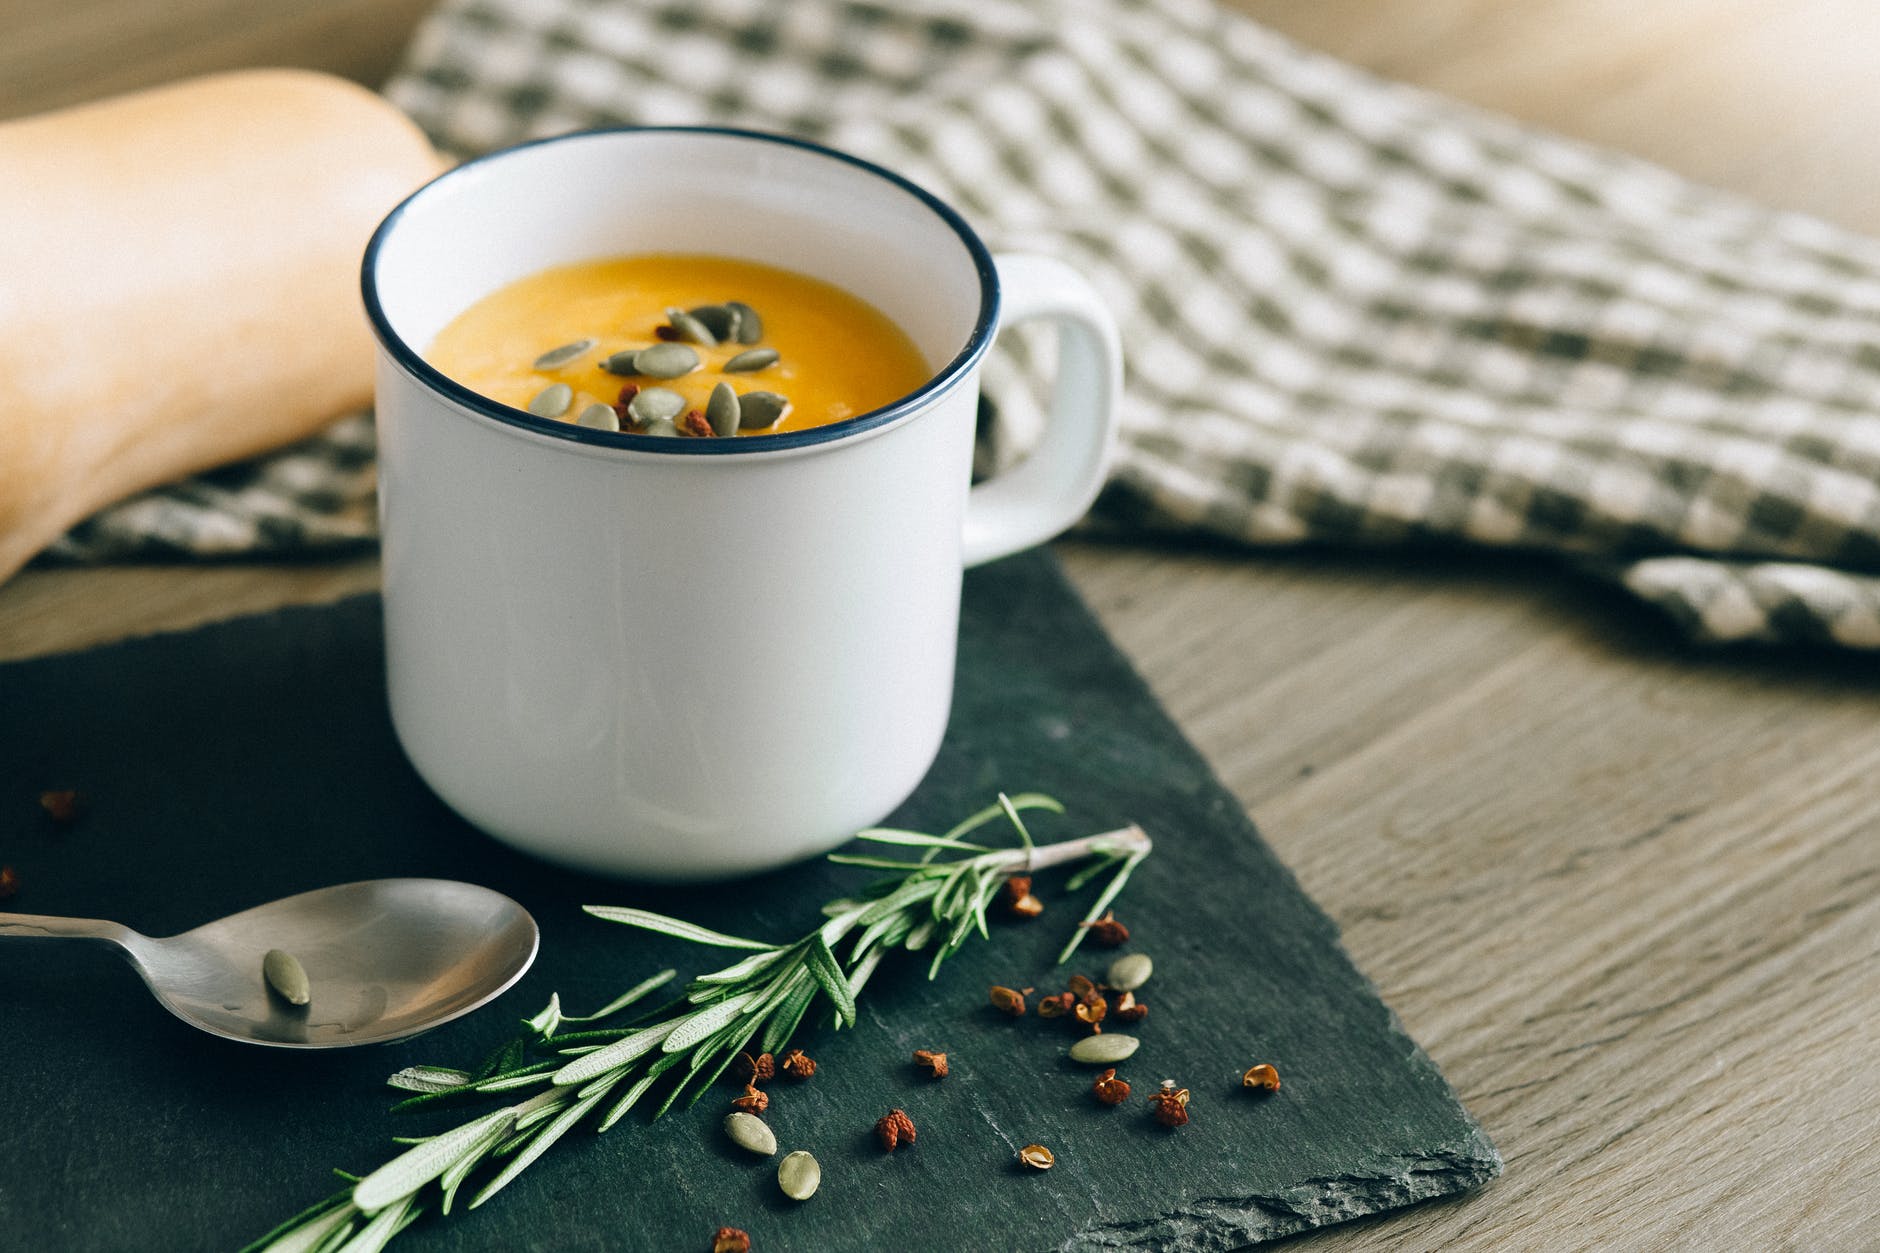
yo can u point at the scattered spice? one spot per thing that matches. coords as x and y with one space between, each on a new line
694 424
1082 988
935 1064
759 1069
730 1240
63 806
1170 1105
893 1127
1129 1009
1261 1078
1109 1089
1091 1013
1056 1005
754 1100
1107 931
9 881
797 1064
621 405
1019 901
1036 1156
1008 1000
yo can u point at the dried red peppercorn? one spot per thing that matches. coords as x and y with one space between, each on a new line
893 1127
1170 1104
1109 1089
754 1100
1056 1005
1129 1009
797 1064
730 1240
1019 902
62 806
1107 931
759 1069
935 1064
694 424
1007 1000
9 881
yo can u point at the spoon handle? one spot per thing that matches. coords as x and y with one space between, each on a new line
45 927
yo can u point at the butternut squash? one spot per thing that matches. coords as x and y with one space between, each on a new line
179 282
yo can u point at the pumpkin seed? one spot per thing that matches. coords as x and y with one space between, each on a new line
599 417
552 401
665 361
690 329
750 326
757 410
719 320
555 358
622 362
751 359
660 426
723 410
653 403
1104 1050
1130 971
799 1175
287 977
748 1131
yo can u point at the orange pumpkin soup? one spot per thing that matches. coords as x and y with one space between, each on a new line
680 345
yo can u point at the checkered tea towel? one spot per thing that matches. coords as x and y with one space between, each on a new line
1353 312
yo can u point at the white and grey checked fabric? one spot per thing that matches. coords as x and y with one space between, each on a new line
1354 313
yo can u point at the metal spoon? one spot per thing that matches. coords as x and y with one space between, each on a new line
386 959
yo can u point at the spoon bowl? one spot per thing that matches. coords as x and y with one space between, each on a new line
385 959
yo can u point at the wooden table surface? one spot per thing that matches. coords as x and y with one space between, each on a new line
1626 894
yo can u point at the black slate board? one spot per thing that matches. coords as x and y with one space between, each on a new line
254 759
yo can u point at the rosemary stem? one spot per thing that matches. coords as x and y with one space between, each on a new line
1129 839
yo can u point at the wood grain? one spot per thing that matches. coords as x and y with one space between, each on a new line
1627 894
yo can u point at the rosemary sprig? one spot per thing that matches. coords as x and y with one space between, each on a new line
935 902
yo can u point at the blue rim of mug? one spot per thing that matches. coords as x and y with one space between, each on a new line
944 378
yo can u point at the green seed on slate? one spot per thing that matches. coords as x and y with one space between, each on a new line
660 426
719 320
1130 971
665 361
1104 1050
690 329
599 417
555 358
287 977
757 410
750 326
654 403
751 359
622 363
799 1175
552 401
748 1131
723 410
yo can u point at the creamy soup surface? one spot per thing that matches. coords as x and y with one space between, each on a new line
836 355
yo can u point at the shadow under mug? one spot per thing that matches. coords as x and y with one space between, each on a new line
695 658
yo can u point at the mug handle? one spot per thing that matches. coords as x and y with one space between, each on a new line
1057 481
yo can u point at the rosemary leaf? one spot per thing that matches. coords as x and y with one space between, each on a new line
915 839
408 1172
635 993
302 1232
540 1145
1018 823
746 969
824 968
1103 900
702 1023
428 1079
619 1053
378 1233
649 921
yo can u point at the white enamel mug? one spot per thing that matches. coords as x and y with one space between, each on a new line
696 658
